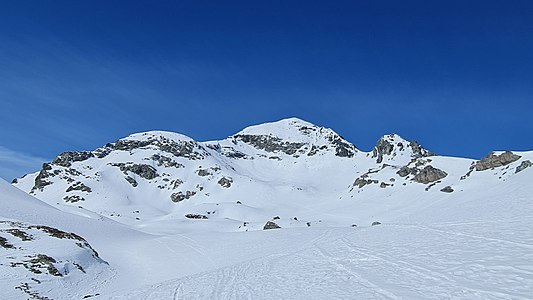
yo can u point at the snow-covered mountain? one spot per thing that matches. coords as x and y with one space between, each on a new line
304 174
176 205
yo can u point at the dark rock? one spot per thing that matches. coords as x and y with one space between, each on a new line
145 171
447 189
383 147
404 171
270 225
308 224
195 216
14 181
203 172
132 181
276 218
354 225
128 145
66 158
166 161
270 143
524 165
102 152
384 185
376 223
73 198
79 186
187 149
225 182
429 174
419 151
314 150
361 182
232 153
176 183
20 234
4 243
40 179
342 148
494 161
180 196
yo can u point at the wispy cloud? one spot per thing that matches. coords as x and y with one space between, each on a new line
14 164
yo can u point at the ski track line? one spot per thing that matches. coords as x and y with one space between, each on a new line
358 277
422 271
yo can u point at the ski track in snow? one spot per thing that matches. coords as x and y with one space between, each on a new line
360 265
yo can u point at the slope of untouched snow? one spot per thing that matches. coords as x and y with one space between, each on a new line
184 219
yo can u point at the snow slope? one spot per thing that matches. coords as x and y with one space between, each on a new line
180 219
477 247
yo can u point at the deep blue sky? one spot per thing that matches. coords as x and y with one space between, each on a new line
455 75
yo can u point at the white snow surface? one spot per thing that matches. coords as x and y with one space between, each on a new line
191 224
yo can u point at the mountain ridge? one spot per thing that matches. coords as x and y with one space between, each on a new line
151 178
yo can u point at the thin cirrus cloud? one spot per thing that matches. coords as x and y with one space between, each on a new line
14 164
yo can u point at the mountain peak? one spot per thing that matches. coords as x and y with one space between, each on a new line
295 135
284 129
393 145
157 135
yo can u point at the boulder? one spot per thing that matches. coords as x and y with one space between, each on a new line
429 174
447 189
270 225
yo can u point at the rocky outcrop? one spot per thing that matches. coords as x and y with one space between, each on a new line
270 143
40 179
270 225
225 182
187 149
383 147
405 170
145 171
66 159
79 186
203 172
180 196
429 174
387 145
342 148
73 198
419 151
166 161
362 181
524 165
493 161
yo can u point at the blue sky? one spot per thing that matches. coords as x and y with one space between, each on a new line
455 75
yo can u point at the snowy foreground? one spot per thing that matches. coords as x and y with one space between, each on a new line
139 219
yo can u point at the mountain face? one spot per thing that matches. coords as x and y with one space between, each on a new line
159 212
291 173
